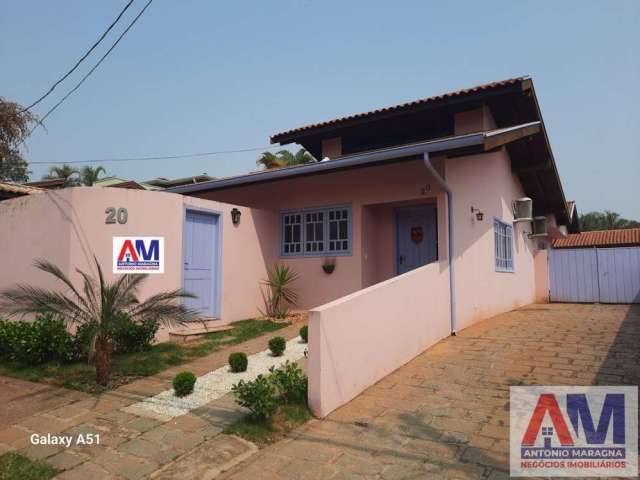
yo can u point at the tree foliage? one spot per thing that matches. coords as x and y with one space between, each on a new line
606 220
284 158
14 129
70 175
90 175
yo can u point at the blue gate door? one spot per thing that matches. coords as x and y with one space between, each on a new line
606 275
416 237
573 275
200 261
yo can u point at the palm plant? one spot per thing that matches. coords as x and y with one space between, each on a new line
67 172
277 292
284 158
99 303
90 175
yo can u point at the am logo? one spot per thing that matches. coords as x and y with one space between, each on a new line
138 255
574 431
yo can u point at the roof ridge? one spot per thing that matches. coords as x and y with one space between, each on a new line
452 93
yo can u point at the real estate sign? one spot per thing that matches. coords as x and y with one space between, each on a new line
574 431
138 254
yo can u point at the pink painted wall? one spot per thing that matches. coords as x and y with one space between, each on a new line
373 252
487 182
541 267
359 339
68 227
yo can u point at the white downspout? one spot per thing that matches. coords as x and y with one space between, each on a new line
452 250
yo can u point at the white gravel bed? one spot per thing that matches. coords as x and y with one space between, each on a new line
217 383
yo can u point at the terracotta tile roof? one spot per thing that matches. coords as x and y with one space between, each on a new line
14 188
600 238
466 91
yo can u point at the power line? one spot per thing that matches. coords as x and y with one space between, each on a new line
94 67
166 157
81 59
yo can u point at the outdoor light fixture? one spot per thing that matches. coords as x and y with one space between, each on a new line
235 216
479 214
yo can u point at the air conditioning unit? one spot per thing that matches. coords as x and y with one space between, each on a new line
539 227
523 210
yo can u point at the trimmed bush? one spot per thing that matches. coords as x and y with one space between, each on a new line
304 334
277 345
129 336
259 396
183 384
238 362
291 383
40 341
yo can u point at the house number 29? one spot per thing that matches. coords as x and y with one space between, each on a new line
120 215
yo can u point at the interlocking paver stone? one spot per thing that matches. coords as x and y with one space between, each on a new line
445 414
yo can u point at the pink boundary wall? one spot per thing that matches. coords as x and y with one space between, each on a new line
357 340
68 228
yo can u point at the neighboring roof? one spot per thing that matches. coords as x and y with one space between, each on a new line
9 190
130 184
600 238
47 184
281 136
483 140
168 183
123 183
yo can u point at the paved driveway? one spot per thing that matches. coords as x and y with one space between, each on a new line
445 414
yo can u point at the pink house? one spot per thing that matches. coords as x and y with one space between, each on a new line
412 205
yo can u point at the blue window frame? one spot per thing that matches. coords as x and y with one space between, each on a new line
316 232
503 234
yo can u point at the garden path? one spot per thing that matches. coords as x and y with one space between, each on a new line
131 446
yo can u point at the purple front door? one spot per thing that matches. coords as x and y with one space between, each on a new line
200 261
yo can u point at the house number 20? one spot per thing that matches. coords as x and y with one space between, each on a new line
120 215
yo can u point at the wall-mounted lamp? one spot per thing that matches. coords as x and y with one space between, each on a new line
235 216
479 214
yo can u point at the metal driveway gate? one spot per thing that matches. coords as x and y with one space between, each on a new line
586 275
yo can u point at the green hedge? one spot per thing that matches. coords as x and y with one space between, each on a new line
47 339
36 342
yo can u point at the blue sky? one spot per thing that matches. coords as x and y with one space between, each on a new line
197 76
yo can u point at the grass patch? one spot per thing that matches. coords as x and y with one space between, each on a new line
266 432
14 466
130 366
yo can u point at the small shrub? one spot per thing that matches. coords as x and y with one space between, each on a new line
277 345
83 338
277 291
183 383
291 383
40 341
129 336
259 396
304 334
238 362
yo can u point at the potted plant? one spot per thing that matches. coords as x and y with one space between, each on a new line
329 265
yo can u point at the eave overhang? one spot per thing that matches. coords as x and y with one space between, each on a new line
469 143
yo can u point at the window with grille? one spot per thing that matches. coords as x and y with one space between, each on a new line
503 234
292 234
316 232
339 230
